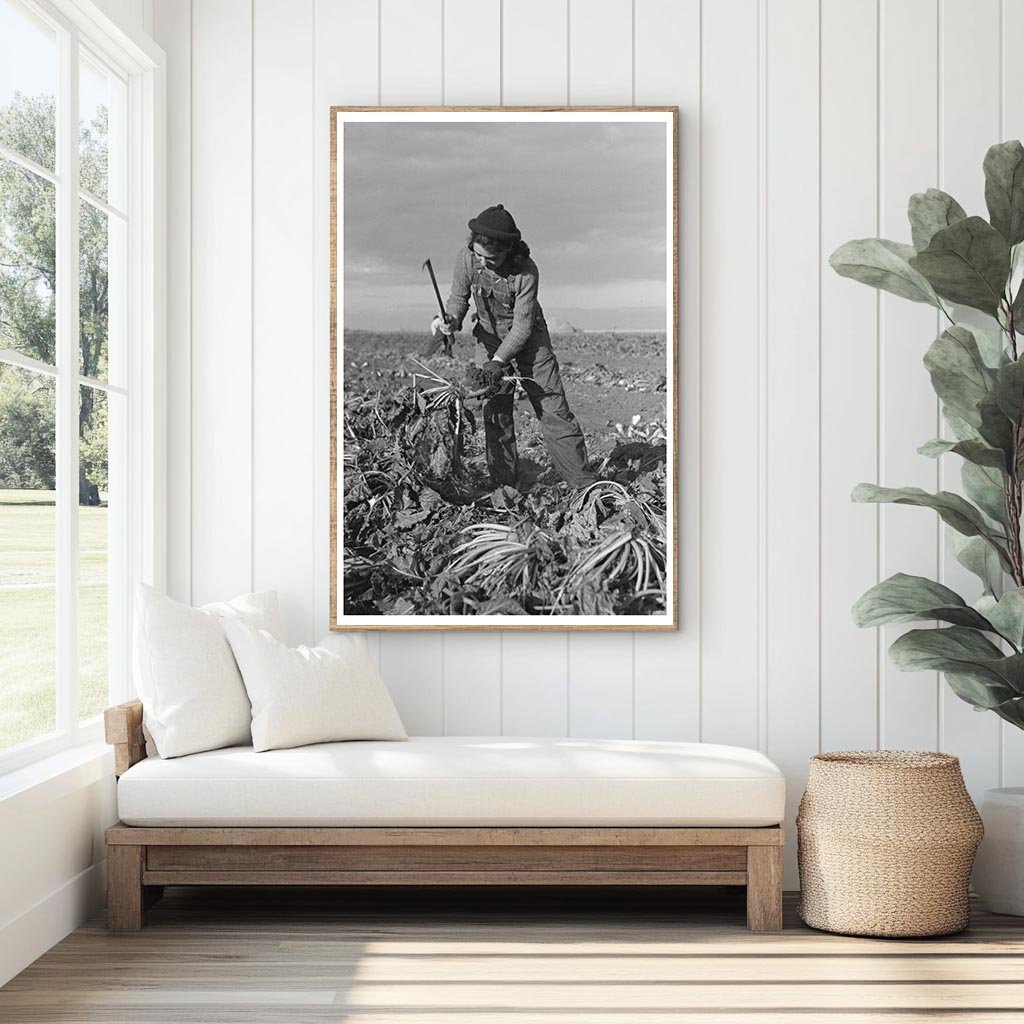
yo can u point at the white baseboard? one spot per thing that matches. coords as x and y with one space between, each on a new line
28 936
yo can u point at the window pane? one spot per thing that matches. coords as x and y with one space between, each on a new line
101 102
101 294
28 545
93 551
28 85
28 263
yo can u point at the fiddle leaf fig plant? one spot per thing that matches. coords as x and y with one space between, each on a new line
977 373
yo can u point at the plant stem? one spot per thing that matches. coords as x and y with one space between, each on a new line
1013 510
1012 495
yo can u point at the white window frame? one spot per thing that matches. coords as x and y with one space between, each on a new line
141 64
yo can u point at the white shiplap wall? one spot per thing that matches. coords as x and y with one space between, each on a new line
803 123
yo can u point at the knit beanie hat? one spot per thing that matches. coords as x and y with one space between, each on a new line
497 223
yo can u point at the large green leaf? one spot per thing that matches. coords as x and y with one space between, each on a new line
1017 311
1015 290
984 695
996 427
1006 614
1015 284
967 263
985 487
958 372
964 652
903 598
1011 711
962 430
990 345
954 510
1009 390
883 264
932 211
976 555
1004 189
973 451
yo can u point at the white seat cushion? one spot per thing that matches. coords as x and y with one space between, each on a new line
458 780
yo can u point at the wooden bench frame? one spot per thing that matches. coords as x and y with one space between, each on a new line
142 860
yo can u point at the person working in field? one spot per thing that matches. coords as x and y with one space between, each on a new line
496 268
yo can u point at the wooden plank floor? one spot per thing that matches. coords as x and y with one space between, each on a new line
263 956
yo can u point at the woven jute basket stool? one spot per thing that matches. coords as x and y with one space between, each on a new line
885 843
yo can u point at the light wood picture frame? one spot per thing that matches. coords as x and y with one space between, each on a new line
504 352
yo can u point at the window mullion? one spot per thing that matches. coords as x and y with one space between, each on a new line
23 161
67 386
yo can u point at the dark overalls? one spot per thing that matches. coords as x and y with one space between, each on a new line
511 326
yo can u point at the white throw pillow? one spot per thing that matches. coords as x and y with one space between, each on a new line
192 693
309 694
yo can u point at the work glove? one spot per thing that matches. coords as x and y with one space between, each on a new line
445 326
494 371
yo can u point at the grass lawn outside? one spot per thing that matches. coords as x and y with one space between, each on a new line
28 613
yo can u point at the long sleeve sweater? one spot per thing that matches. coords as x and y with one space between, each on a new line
506 303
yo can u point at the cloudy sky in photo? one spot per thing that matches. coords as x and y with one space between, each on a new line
588 198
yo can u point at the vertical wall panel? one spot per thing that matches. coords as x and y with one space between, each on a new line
283 339
472 68
535 673
601 685
535 65
411 72
221 528
173 30
849 369
909 414
730 501
534 670
667 665
413 667
410 55
792 416
600 52
1012 127
344 53
969 124
472 684
600 666
472 52
472 673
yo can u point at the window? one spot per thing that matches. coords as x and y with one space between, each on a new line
77 315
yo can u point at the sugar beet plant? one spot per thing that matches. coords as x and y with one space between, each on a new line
425 531
978 374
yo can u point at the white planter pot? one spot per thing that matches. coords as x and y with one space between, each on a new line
999 866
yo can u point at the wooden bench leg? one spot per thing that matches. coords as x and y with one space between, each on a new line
125 897
764 888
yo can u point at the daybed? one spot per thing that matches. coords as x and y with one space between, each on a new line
444 811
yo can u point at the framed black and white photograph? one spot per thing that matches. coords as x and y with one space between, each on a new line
504 320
